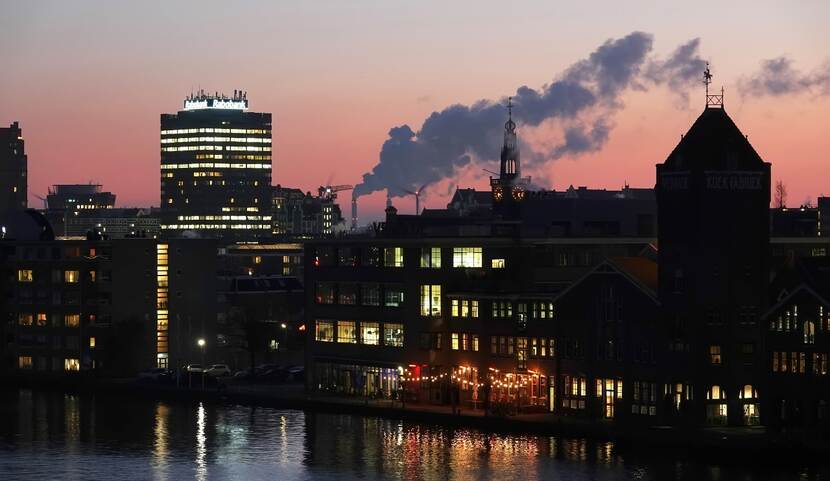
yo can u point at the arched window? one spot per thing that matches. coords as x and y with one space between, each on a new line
809 332
715 392
748 392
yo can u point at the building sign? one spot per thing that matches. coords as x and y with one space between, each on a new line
733 180
211 103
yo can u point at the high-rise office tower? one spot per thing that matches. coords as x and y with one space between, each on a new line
13 166
216 169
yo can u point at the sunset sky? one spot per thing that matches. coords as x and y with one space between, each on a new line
88 80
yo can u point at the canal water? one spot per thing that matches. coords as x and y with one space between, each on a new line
47 435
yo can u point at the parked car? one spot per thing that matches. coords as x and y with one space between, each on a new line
296 374
157 374
218 370
244 374
274 375
194 368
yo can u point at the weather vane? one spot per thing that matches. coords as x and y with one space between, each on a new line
711 100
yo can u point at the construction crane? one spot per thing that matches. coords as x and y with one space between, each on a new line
329 192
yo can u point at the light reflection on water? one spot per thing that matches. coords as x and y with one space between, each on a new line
48 435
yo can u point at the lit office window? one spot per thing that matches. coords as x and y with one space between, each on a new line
714 354
25 275
25 319
72 320
324 331
370 333
393 256
431 300
24 362
393 334
92 342
41 319
71 364
497 263
431 257
454 341
71 277
346 332
466 256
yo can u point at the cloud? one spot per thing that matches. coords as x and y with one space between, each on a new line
778 77
579 103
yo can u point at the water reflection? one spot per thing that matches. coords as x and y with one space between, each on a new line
160 442
56 436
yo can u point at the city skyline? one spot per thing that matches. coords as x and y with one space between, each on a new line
338 78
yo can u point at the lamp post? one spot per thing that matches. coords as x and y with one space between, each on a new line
201 343
284 339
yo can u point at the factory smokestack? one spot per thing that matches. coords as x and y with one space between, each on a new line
354 212
579 103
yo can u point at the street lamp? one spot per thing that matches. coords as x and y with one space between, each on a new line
284 339
201 343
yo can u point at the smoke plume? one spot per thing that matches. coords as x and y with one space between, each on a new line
778 77
578 105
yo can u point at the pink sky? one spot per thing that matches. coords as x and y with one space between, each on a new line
88 80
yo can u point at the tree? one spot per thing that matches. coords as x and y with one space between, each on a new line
780 199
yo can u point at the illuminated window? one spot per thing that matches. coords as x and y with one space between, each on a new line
257 259
393 297
466 257
747 392
24 362
497 263
41 319
25 275
393 334
454 307
431 257
475 342
809 328
431 300
715 392
714 354
72 320
370 333
71 364
25 319
393 256
92 342
454 341
324 331
820 363
346 332
71 277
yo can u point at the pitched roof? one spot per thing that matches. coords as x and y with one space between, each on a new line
714 142
642 270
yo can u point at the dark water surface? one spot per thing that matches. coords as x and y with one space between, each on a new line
51 435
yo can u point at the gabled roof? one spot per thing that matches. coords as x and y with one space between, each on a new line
714 142
639 271
642 270
783 301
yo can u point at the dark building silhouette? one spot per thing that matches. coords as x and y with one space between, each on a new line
13 169
713 195
216 169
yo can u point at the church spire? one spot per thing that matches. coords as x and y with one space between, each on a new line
510 150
